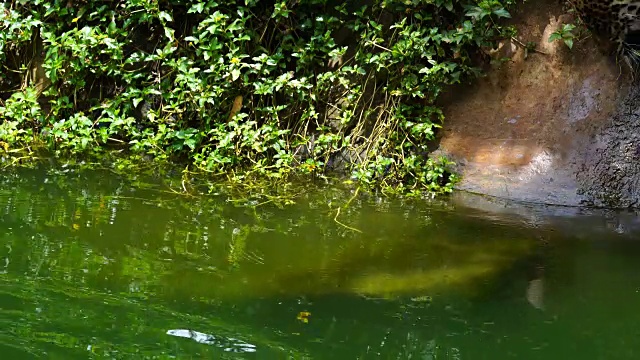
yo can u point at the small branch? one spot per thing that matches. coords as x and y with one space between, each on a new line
379 46
526 47
342 224
345 206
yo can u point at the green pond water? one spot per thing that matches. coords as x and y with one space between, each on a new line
93 266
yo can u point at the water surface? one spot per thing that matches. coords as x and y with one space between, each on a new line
93 266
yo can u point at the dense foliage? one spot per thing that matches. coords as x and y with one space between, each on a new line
243 88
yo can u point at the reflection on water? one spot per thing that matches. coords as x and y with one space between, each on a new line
535 293
92 265
226 344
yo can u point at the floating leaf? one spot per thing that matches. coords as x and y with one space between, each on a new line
303 316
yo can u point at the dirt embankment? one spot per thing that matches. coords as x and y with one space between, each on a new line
557 126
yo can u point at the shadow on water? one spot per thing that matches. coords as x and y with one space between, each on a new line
93 266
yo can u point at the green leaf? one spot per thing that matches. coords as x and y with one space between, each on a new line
163 15
168 32
555 36
448 5
476 12
569 43
197 8
191 143
502 13
235 74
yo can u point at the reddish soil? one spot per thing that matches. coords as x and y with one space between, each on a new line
524 129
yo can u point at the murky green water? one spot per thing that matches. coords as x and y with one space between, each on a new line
92 266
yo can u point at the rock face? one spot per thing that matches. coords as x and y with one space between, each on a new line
557 126
609 174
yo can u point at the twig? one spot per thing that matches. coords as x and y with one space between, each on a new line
347 226
345 205
353 197
379 46
527 47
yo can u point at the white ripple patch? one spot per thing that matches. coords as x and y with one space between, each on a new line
226 344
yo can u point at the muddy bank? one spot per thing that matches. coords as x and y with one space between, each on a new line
557 126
